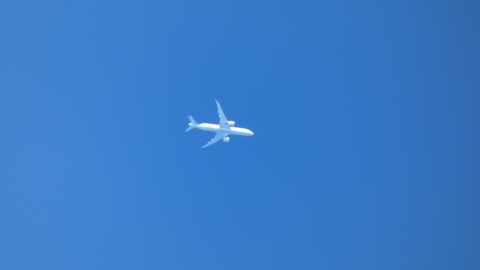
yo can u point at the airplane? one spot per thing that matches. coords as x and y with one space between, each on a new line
223 129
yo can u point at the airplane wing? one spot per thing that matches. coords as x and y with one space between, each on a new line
215 139
223 119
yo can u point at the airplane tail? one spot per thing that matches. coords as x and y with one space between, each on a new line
192 123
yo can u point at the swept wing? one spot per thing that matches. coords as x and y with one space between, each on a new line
223 119
215 139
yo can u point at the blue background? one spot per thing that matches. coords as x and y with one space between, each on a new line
366 152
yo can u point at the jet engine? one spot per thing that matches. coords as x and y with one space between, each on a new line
226 139
231 123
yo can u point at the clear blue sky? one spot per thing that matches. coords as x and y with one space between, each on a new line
366 152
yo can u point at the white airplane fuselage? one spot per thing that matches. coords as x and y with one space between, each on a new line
232 130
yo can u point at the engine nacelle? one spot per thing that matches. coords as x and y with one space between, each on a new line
226 139
231 123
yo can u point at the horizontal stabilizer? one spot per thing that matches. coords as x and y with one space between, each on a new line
192 123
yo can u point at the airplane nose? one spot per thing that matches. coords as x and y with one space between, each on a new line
251 133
